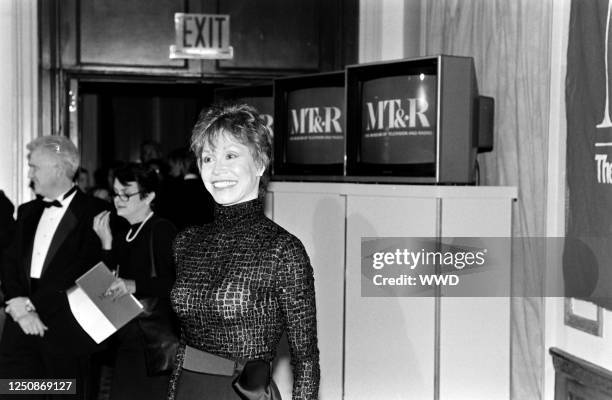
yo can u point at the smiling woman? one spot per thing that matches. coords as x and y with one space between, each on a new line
243 280
229 172
233 149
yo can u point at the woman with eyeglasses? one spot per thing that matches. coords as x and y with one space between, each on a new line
242 280
141 257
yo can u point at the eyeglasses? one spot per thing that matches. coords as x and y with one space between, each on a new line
124 196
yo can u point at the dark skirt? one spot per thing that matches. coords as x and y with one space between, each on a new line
211 377
196 385
130 380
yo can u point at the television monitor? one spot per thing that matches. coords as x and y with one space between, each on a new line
486 117
258 96
413 120
310 127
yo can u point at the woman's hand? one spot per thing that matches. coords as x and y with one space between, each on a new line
101 225
120 287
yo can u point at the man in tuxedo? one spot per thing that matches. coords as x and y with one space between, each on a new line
54 244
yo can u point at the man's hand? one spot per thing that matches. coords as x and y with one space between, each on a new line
32 325
18 307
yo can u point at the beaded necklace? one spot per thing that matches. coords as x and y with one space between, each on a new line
127 235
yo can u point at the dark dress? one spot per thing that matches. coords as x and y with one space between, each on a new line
242 281
130 380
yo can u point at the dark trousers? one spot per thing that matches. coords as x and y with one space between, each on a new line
28 357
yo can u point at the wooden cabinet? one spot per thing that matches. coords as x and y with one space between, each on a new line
399 347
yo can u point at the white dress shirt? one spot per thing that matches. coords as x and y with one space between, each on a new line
49 221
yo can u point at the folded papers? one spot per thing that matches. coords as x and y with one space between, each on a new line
100 316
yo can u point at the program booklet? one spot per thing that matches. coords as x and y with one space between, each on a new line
100 316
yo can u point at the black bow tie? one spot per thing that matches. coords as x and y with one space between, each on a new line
54 203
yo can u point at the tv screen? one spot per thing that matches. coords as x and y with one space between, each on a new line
310 127
258 96
265 106
412 120
398 120
316 126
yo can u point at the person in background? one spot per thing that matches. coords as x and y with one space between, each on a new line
169 202
199 205
184 200
242 280
159 166
101 193
81 178
141 255
178 163
100 188
151 156
150 150
53 245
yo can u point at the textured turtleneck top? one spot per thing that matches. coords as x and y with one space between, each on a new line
241 281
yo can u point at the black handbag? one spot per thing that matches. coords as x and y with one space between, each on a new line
159 330
160 336
255 382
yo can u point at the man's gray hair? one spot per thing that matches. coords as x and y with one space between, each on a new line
60 146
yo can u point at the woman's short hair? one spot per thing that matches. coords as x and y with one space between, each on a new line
242 122
61 148
146 177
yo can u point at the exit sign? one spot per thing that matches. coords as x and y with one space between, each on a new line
201 36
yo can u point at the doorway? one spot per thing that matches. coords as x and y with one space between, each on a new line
116 118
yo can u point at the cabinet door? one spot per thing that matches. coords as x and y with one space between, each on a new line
119 35
389 349
475 331
318 221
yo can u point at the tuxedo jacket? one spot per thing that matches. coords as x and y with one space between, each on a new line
74 249
7 223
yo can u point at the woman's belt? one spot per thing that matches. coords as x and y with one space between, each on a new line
253 377
201 361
